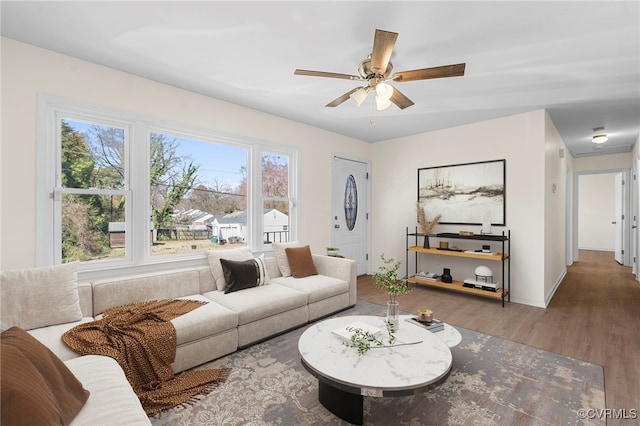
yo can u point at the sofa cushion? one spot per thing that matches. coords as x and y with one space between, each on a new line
37 387
112 401
51 337
114 292
300 261
281 256
316 287
207 320
38 297
256 303
214 257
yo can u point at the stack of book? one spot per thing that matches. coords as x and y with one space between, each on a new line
433 326
428 276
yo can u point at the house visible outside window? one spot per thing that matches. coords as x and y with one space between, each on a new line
119 191
197 194
276 197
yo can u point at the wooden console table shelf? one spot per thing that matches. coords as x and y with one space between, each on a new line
457 286
496 256
503 257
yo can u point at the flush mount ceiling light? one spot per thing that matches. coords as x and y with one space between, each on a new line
602 138
599 137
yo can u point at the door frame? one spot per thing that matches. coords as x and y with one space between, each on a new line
634 211
367 243
625 211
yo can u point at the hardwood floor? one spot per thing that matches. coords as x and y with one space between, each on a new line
593 316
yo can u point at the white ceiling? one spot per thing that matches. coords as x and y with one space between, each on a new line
579 60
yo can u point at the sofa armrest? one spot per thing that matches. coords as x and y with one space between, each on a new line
337 267
85 293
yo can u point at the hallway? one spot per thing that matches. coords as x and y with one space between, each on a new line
594 316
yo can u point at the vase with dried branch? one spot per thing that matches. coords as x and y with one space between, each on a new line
426 226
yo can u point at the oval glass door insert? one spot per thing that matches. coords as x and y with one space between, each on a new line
351 202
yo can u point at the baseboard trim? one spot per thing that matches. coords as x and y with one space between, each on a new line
549 296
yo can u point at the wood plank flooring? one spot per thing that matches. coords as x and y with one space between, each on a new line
593 316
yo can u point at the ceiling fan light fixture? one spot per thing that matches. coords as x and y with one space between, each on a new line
600 138
382 104
384 91
359 96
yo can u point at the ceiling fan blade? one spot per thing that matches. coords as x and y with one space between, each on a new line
400 99
383 44
341 99
456 70
327 74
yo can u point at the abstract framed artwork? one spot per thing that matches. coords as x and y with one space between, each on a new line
465 194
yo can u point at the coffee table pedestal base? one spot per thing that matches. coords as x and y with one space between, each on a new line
346 405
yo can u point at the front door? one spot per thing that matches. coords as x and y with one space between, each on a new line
350 210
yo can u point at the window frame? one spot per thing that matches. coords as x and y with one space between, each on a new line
292 185
138 130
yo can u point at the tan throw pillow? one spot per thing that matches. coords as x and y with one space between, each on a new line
301 262
37 388
39 297
281 256
214 257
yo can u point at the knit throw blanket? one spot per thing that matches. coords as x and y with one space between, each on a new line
141 338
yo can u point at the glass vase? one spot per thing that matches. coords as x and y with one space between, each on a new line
393 313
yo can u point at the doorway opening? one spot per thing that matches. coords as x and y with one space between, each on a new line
601 214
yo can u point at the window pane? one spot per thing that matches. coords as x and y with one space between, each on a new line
198 195
276 223
275 175
93 227
275 193
92 156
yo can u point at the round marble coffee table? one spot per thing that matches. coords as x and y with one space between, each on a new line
344 377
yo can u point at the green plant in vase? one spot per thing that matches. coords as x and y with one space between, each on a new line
387 279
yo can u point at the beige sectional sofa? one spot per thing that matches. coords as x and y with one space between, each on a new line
224 324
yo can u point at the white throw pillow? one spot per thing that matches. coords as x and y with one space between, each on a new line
263 274
281 256
214 257
39 297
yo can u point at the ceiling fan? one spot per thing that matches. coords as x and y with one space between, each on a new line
376 71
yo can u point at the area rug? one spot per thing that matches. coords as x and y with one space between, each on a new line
492 382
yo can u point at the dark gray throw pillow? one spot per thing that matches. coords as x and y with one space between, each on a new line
240 275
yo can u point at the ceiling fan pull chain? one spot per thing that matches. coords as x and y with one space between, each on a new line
372 121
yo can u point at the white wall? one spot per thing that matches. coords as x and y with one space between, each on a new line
28 70
558 162
603 162
519 139
529 143
596 200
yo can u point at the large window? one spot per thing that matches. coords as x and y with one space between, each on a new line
118 191
198 194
